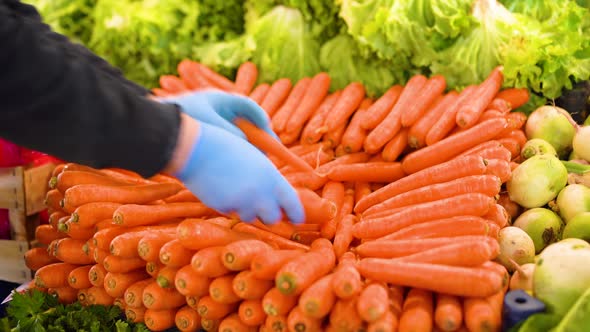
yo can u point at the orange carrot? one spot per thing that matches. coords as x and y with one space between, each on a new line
135 194
470 111
390 126
237 256
282 228
216 79
221 289
346 281
65 295
174 254
269 237
314 129
498 215
207 262
276 323
297 320
189 282
361 190
318 299
275 303
298 274
349 101
268 144
281 117
500 168
98 295
196 234
69 179
134 293
118 264
475 204
251 313
512 146
211 309
54 218
115 284
367 172
497 152
387 323
153 268
96 275
233 323
45 234
448 312
458 225
431 89
71 251
187 319
246 77
515 97
57 170
396 146
379 110
313 97
447 121
259 93
329 228
148 247
419 130
276 96
354 135
136 315
53 199
78 277
317 210
183 196
453 169
457 254
484 184
166 277
344 237
159 320
479 315
158 298
516 134
172 84
417 314
345 317
36 258
136 215
53 275
453 280
511 207
247 286
266 264
125 244
373 302
210 325
450 147
190 75
306 237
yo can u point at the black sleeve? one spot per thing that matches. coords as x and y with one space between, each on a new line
55 100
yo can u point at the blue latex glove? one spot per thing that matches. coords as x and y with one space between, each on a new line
221 109
230 175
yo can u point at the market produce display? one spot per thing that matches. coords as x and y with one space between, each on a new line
401 217
542 44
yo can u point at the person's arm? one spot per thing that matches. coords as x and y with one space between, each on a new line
55 101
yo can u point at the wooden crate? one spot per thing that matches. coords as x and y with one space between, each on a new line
22 192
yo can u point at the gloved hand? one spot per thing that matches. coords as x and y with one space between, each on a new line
220 109
230 175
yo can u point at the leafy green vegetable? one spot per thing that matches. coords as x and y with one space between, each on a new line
342 61
70 18
283 46
536 322
149 38
35 311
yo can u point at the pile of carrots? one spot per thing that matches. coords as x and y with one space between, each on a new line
403 196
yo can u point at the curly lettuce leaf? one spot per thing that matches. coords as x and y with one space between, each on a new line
283 46
338 57
225 56
67 17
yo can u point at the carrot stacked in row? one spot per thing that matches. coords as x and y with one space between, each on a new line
396 189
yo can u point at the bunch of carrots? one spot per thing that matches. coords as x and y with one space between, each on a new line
403 197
